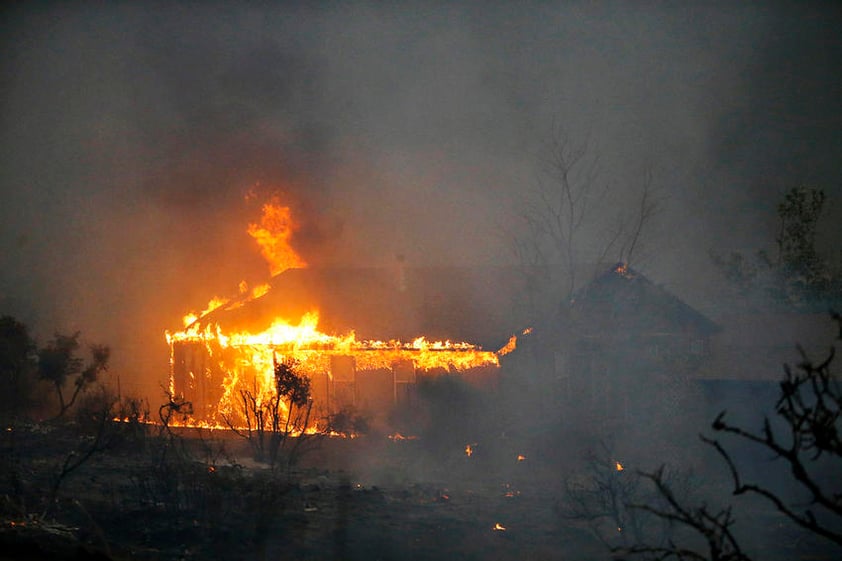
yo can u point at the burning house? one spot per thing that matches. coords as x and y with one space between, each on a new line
363 336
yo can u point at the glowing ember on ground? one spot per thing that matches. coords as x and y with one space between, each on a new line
510 493
499 527
469 450
398 437
618 466
521 457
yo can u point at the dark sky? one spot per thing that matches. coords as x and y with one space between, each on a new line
131 132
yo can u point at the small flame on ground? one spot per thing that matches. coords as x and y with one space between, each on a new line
499 527
521 457
618 466
469 450
398 437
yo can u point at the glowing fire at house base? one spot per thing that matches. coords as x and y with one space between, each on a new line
210 368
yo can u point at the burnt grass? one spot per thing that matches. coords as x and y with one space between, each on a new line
200 495
151 495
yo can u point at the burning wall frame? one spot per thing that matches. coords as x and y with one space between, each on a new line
371 381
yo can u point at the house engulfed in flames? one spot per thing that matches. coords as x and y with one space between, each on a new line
363 336
356 337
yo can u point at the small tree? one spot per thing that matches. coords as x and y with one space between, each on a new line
98 434
17 366
271 420
59 363
798 275
564 226
799 214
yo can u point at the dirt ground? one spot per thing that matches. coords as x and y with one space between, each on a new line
201 496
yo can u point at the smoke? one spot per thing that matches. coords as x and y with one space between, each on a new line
131 133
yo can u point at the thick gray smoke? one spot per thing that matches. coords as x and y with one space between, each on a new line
130 135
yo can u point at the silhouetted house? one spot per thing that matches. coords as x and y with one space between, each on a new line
628 350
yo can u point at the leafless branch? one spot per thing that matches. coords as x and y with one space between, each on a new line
562 206
714 528
648 206
811 407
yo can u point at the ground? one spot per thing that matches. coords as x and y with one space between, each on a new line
200 495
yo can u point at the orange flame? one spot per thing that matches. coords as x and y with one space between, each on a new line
618 466
397 437
499 527
246 358
273 235
509 346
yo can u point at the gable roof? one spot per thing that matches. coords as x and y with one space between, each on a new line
622 299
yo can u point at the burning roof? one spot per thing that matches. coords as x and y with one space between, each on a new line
440 303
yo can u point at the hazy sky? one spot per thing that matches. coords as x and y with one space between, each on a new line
130 133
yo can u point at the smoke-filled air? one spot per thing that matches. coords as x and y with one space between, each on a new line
422 280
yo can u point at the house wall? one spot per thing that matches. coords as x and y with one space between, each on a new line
616 381
337 382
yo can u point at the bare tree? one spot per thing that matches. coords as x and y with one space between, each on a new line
713 527
608 499
648 206
101 417
810 406
562 226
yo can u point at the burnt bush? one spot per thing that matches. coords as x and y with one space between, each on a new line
348 422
